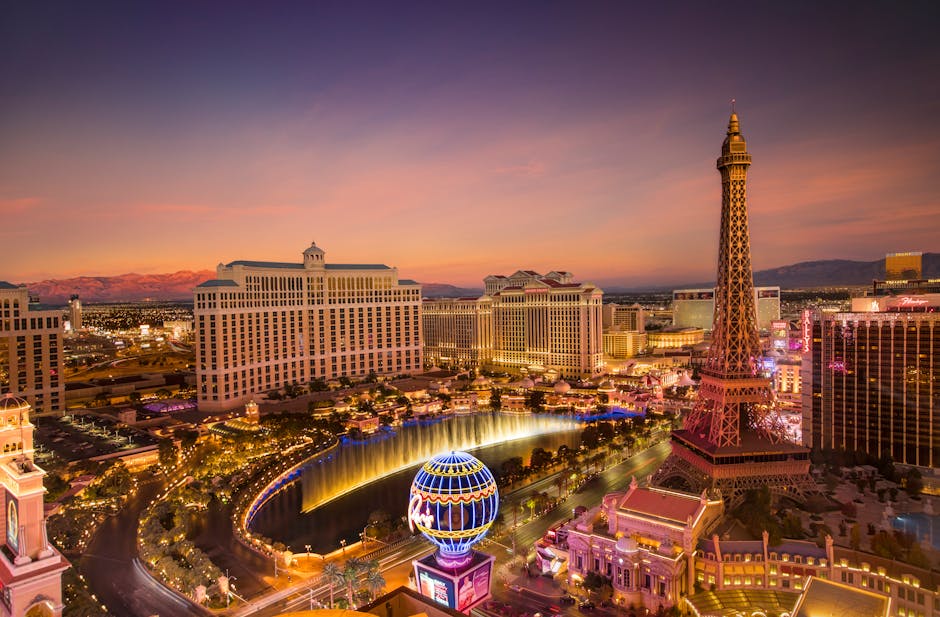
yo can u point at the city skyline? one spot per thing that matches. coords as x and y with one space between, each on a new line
449 143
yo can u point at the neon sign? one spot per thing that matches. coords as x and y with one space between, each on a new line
906 301
806 324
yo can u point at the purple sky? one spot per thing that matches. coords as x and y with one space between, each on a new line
455 140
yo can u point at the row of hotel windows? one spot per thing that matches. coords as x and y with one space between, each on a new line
248 384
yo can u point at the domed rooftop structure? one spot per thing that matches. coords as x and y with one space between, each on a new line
11 402
562 387
453 503
526 383
481 382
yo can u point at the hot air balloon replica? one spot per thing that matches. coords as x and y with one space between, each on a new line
453 504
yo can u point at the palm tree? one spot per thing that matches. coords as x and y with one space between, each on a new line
559 483
375 582
334 576
350 576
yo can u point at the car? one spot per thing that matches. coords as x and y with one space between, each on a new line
586 605
554 609
566 599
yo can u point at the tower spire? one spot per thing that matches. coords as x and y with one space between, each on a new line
733 438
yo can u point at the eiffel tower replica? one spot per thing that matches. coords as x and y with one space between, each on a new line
733 439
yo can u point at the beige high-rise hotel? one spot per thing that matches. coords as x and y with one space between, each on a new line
30 351
264 325
524 321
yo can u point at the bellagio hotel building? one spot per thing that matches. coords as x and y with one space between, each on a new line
264 325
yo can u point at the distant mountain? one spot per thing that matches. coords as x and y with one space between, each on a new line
821 273
121 288
836 272
442 290
179 285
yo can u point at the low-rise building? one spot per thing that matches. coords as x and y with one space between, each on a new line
644 540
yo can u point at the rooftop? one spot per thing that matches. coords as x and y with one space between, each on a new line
822 597
660 503
218 283
299 266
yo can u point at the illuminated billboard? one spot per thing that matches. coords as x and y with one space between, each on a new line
461 589
431 584
473 587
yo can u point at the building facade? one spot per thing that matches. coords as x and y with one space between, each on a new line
644 540
526 322
870 379
31 359
695 308
264 325
623 344
624 317
30 567
788 566
458 332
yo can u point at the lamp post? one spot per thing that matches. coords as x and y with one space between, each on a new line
307 546
343 544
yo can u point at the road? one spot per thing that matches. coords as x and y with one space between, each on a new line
120 582
117 577
397 563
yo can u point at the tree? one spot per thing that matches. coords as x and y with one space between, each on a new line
512 468
167 453
334 576
496 402
589 437
375 582
855 537
540 459
534 400
913 482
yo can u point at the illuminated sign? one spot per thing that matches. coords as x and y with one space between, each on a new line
418 517
806 327
768 293
433 585
906 301
473 587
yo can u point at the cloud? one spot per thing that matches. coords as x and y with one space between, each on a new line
19 205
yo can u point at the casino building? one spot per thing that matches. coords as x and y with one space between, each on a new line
264 325
644 540
524 322
870 378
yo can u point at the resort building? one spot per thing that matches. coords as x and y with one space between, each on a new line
526 322
869 378
696 307
644 540
264 325
31 359
458 332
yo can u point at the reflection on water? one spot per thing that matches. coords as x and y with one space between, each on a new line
388 467
924 527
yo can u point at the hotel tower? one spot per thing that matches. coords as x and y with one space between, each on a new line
265 325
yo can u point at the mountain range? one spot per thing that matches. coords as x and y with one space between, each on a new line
179 285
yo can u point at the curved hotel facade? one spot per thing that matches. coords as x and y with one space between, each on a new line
264 325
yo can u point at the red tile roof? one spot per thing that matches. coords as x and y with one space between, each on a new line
661 504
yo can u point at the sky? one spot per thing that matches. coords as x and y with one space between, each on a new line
458 139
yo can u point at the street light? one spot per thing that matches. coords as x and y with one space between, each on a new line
343 544
307 546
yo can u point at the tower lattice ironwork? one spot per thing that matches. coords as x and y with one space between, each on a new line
733 439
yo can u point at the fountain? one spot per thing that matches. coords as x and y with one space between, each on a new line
355 464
